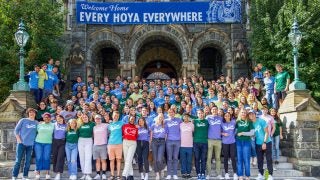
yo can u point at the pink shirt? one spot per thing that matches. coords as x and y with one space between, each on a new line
269 120
186 131
100 134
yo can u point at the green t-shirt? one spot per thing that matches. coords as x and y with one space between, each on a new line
200 131
244 126
277 130
72 136
86 130
281 80
44 133
233 104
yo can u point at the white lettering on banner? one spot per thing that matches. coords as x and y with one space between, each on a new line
94 17
172 17
126 17
117 8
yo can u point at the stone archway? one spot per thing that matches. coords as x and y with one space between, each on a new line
173 32
103 39
217 40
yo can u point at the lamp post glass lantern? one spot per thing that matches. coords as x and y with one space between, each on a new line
22 38
295 37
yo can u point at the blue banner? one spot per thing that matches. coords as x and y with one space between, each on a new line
119 13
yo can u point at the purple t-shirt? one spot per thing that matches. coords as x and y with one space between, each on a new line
172 127
59 131
143 134
230 128
158 131
214 131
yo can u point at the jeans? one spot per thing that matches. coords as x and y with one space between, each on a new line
229 151
186 159
36 94
129 148
200 157
271 98
158 146
260 154
143 152
22 151
43 152
243 155
253 147
58 153
173 147
85 154
72 156
214 146
275 147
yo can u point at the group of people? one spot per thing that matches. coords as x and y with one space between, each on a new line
159 123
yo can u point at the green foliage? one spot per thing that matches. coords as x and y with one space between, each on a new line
271 21
44 23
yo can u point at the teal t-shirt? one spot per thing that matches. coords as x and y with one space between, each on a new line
200 131
45 131
115 136
259 126
281 80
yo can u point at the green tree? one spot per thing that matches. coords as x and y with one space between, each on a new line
271 22
44 23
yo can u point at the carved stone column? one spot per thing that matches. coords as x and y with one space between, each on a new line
300 115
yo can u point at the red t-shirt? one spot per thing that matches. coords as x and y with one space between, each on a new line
130 132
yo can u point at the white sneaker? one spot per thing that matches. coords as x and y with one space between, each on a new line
175 177
168 177
97 177
226 176
274 168
14 178
24 178
208 177
142 176
270 177
235 176
259 177
157 176
103 176
57 177
254 162
88 177
83 177
219 177
48 176
146 176
165 168
150 168
37 176
74 177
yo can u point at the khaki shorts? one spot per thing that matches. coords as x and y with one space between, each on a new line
115 151
99 152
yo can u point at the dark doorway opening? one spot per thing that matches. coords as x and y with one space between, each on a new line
210 60
159 66
110 58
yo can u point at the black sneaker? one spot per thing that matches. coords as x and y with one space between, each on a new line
276 162
188 176
183 175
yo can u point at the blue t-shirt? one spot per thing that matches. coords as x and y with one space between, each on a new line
230 129
27 129
143 134
269 84
172 127
158 131
33 80
115 129
51 81
259 126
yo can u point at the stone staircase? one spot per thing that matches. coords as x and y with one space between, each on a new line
284 171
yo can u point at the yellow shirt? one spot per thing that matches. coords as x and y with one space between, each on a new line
42 76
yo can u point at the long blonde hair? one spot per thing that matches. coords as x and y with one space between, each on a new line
157 119
69 124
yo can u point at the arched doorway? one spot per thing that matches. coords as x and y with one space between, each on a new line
210 60
107 58
157 66
159 54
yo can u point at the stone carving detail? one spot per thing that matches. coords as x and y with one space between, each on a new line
11 111
76 55
241 52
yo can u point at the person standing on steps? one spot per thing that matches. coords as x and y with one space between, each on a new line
25 132
143 148
43 144
214 141
100 141
72 136
263 145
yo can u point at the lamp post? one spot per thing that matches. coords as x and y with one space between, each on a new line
295 37
21 37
